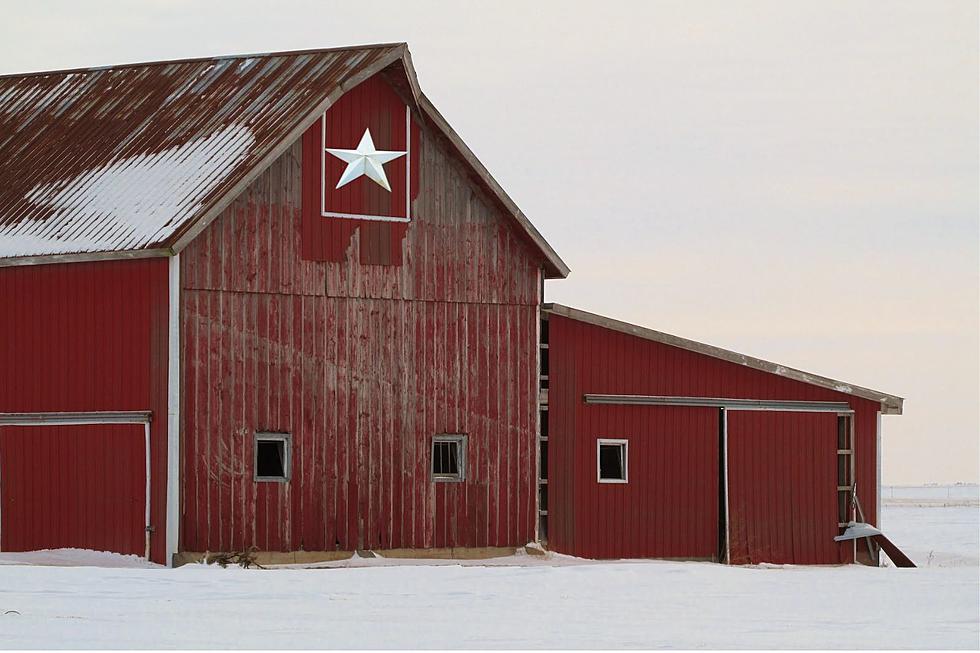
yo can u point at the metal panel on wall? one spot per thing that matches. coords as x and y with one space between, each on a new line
589 359
782 488
90 337
669 506
80 486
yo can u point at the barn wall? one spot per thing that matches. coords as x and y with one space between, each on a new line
585 358
89 337
362 364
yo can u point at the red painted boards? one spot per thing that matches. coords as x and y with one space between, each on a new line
332 215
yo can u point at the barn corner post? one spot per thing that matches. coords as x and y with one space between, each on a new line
173 411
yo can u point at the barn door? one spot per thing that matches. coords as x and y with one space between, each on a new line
782 487
77 486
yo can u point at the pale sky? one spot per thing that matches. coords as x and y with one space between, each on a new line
796 181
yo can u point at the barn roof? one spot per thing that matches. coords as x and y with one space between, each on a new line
890 404
135 160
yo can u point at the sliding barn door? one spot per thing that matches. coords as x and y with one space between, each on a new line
782 488
80 487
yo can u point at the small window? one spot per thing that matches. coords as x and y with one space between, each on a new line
449 457
612 462
272 456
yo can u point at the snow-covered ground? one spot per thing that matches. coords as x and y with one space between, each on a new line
518 602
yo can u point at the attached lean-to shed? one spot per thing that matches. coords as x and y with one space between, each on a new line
662 447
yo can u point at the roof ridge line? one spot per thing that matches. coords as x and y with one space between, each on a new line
223 57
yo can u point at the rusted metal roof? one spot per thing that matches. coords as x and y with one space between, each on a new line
136 159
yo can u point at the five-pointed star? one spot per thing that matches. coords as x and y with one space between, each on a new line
365 160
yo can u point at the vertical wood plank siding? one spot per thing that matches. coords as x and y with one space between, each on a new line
673 486
362 364
81 337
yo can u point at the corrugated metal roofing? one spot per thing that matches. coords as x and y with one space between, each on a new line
128 158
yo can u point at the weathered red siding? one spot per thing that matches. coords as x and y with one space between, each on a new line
86 337
622 521
362 364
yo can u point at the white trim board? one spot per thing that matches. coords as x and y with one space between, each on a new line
717 402
173 412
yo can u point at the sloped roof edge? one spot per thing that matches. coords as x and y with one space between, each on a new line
558 268
890 404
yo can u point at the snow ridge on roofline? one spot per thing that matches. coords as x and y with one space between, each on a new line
890 404
58 127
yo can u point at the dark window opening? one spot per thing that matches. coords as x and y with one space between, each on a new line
543 497
612 461
842 433
448 457
544 423
544 362
271 456
544 332
543 472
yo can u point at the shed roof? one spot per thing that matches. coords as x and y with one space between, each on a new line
136 159
890 404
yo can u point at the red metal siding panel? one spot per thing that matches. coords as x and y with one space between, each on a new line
585 358
89 337
783 488
73 486
362 364
669 507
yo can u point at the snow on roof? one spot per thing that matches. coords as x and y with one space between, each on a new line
128 203
128 157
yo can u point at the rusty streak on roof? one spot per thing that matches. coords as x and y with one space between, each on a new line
890 404
136 159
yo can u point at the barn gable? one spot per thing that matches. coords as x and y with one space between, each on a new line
362 346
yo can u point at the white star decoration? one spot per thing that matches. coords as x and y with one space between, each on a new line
366 160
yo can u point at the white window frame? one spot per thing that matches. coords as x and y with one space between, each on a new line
460 439
287 451
626 459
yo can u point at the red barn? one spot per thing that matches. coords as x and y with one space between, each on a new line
275 301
